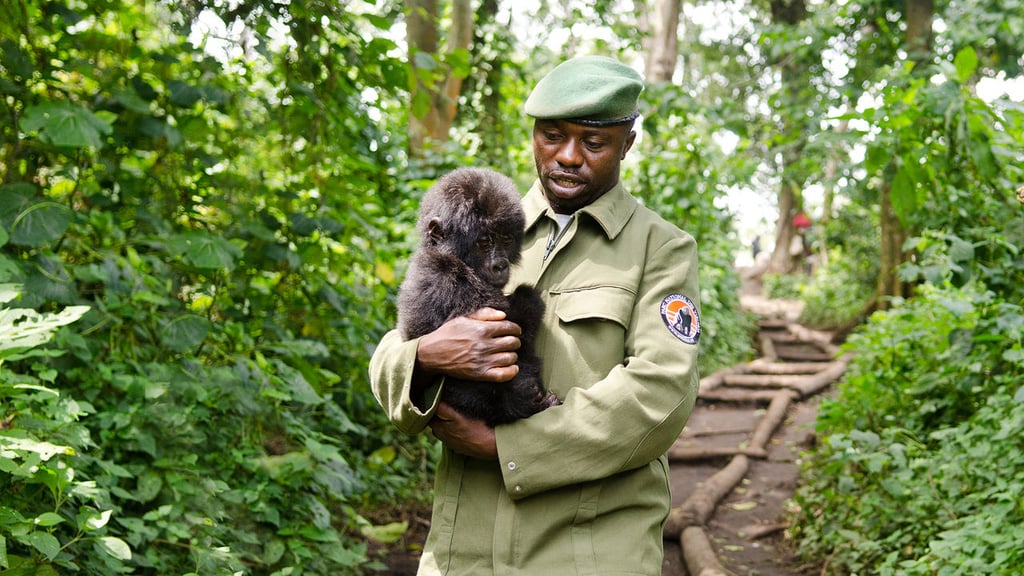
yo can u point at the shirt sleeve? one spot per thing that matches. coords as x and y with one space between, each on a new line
634 414
391 372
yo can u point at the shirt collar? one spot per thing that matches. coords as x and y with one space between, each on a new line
611 211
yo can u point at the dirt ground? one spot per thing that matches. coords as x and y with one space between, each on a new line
748 529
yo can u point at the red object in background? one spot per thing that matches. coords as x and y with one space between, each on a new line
801 220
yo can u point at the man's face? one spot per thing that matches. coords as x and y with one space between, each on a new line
576 163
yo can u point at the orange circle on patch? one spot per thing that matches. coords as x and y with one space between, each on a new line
681 317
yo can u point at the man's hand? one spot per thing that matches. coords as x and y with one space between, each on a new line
464 435
481 347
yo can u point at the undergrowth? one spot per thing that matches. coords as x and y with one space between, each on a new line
921 461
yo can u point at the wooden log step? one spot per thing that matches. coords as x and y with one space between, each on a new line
801 354
764 380
696 510
698 554
737 395
771 420
762 366
819 381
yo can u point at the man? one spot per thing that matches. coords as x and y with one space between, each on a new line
580 488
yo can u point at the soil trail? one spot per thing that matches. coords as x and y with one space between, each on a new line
735 466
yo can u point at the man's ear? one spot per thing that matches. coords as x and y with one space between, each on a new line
435 231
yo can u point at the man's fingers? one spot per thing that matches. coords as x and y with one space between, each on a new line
487 314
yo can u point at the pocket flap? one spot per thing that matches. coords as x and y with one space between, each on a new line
599 303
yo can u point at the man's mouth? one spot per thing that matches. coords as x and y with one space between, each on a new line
564 183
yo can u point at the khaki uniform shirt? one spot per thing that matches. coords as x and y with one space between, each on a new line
581 488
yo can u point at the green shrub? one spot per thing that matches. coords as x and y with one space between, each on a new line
921 462
783 286
838 291
50 512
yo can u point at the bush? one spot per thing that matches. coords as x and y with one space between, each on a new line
920 466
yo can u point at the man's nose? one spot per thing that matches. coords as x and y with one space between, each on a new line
569 153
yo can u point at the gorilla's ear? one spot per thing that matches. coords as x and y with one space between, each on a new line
435 231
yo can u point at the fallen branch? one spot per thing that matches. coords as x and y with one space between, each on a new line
816 383
699 556
696 510
771 420
762 366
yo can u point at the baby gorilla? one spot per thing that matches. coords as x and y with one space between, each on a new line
471 230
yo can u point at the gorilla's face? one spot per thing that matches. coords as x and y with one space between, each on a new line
491 256
577 163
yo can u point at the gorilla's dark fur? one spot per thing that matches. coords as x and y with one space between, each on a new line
471 229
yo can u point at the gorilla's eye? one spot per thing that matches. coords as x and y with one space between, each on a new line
490 241
485 242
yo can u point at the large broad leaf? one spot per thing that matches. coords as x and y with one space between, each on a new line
966 63
45 543
40 223
206 250
185 332
903 195
115 547
23 328
14 199
65 124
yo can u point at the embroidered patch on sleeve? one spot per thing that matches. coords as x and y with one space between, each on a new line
681 316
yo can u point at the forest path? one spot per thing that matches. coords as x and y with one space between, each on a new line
735 466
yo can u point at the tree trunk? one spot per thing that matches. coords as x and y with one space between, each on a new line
782 262
788 13
435 94
918 46
663 44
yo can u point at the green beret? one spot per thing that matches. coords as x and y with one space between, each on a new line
593 90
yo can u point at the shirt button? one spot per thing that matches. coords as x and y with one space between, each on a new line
511 466
518 489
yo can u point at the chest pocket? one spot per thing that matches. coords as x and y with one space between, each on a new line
591 334
612 303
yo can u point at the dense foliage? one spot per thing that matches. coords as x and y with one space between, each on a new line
918 467
236 227
227 223
919 470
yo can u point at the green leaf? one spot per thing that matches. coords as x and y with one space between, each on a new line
385 533
966 62
47 519
24 328
903 195
181 94
148 486
9 292
65 124
14 199
131 100
114 547
206 251
45 543
45 450
421 103
185 332
94 520
40 223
